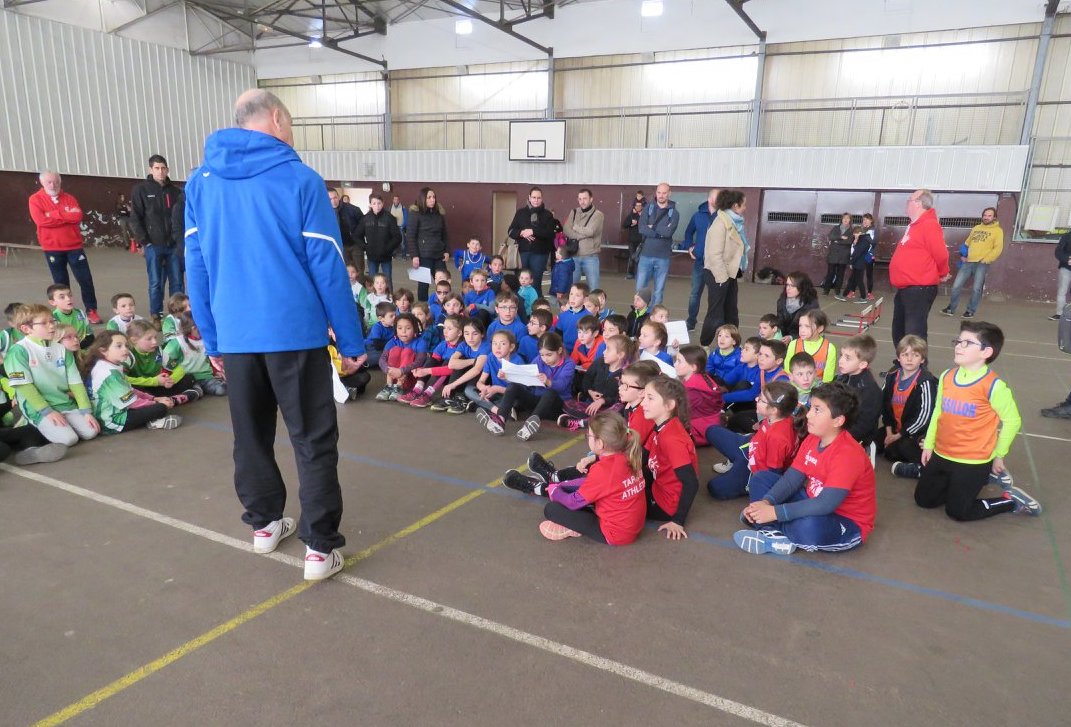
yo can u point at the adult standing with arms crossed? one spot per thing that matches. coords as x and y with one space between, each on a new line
425 236
584 224
258 221
58 217
154 203
658 222
723 260
533 228
919 263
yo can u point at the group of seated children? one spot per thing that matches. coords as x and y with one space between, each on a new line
62 383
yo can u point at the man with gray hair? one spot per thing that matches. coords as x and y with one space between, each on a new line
58 217
261 236
918 264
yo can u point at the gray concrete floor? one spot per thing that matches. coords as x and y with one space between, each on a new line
931 622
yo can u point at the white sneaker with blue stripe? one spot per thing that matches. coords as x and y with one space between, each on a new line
763 541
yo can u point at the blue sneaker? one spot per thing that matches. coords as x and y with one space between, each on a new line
1004 480
763 541
1024 503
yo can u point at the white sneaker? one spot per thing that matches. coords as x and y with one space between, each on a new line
171 421
268 538
319 566
36 455
721 467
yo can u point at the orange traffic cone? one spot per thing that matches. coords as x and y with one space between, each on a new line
133 246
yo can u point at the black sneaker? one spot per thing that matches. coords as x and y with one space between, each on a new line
907 470
1055 317
947 311
968 314
1063 411
458 405
440 404
542 467
522 483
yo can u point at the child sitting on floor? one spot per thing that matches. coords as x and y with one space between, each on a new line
907 405
489 388
802 373
176 304
382 331
380 292
125 311
145 367
856 355
187 350
589 343
769 326
826 500
63 310
672 460
813 340
652 340
704 394
434 374
607 505
466 364
599 385
570 315
725 357
353 378
401 355
116 404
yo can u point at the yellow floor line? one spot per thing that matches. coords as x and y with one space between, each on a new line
92 700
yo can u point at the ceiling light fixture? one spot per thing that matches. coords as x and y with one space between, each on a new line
651 8
463 27
315 43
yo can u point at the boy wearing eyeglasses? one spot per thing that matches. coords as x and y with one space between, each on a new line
972 429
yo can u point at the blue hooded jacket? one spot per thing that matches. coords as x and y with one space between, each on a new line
695 234
263 258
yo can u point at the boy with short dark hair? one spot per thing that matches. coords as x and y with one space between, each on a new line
63 310
382 332
853 364
802 375
570 315
527 292
589 344
769 326
480 301
125 311
972 429
48 386
470 259
639 313
827 499
435 302
506 307
528 347
604 310
769 358
495 272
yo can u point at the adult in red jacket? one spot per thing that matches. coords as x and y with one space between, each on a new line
918 264
58 218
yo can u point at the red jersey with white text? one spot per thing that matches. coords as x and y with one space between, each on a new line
617 494
845 465
670 447
772 446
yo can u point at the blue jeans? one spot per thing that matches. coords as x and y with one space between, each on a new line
387 268
734 482
815 532
536 264
696 294
653 271
966 270
588 265
57 267
163 264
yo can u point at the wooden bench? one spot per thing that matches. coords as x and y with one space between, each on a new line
858 322
9 250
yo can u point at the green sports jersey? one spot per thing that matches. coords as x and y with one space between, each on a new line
45 378
143 368
8 338
116 323
75 318
112 395
169 327
180 351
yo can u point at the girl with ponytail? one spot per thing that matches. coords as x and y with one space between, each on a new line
672 462
607 504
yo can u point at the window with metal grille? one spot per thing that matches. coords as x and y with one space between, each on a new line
894 221
834 219
963 222
787 216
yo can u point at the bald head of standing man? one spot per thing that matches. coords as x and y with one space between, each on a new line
266 279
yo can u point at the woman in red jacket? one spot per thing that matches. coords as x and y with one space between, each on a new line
59 218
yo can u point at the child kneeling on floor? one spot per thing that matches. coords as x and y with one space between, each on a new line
607 505
118 405
826 500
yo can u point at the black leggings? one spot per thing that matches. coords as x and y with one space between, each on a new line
137 418
904 449
547 405
583 521
956 486
180 387
16 439
834 276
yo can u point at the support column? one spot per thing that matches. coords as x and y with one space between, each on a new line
550 86
1039 70
756 104
388 138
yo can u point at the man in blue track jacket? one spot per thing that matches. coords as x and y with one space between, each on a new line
266 278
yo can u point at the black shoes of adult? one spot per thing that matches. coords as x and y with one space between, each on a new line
1063 411
541 467
522 483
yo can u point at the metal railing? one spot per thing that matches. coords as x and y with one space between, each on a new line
913 120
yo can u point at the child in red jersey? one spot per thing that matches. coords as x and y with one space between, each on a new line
608 504
826 500
704 395
768 453
674 468
972 429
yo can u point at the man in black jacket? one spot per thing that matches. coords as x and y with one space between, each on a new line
349 217
155 204
378 235
533 228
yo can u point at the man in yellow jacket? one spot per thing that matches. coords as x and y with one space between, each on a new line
984 245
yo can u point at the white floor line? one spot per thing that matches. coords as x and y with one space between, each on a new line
594 661
1045 436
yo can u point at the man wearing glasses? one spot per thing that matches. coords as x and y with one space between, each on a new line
918 264
156 218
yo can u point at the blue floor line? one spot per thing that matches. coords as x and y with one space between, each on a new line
709 539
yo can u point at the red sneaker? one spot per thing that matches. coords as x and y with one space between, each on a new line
92 317
870 296
423 400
